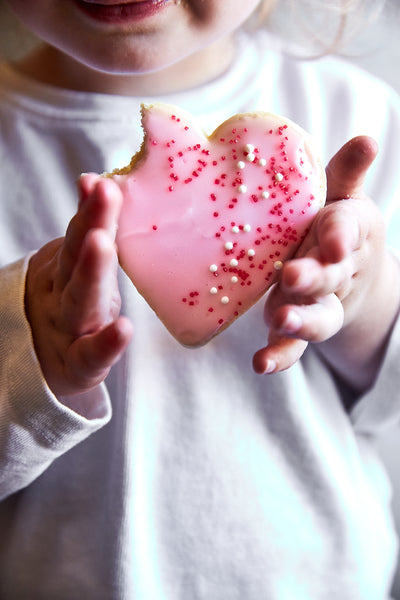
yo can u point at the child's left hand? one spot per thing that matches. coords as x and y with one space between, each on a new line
342 287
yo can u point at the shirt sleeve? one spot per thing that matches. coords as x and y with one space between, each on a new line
35 426
379 407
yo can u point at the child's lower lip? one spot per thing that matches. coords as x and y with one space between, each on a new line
122 12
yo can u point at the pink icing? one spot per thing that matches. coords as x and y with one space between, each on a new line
208 221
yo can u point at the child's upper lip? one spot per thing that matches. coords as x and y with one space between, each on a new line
116 2
120 11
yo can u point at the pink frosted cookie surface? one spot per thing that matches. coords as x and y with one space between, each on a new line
207 221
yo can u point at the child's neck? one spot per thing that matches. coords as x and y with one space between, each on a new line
49 65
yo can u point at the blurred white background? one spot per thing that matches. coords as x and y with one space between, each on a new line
375 48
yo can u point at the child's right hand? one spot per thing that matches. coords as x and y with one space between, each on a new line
72 299
342 289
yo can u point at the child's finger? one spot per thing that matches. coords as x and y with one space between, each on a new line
306 277
346 171
85 184
338 230
99 210
90 299
341 230
280 354
90 357
314 322
293 327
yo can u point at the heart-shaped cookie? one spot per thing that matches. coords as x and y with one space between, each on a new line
207 222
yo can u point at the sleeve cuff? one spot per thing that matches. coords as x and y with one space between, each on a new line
26 400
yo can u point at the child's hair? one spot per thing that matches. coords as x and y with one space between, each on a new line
341 8
15 39
318 26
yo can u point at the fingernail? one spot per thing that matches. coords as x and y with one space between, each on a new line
292 323
304 280
270 366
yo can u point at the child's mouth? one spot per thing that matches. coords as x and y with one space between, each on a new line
115 12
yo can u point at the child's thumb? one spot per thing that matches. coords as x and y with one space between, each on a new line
346 171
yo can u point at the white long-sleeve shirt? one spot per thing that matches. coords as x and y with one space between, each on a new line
186 476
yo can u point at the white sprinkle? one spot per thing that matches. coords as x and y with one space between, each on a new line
213 291
250 157
234 279
249 148
228 246
234 262
251 252
247 228
235 229
242 189
241 164
213 268
224 300
265 194
262 162
278 264
278 177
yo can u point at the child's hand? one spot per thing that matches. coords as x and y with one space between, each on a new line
72 298
342 280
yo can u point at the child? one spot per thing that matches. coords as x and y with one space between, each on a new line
209 481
